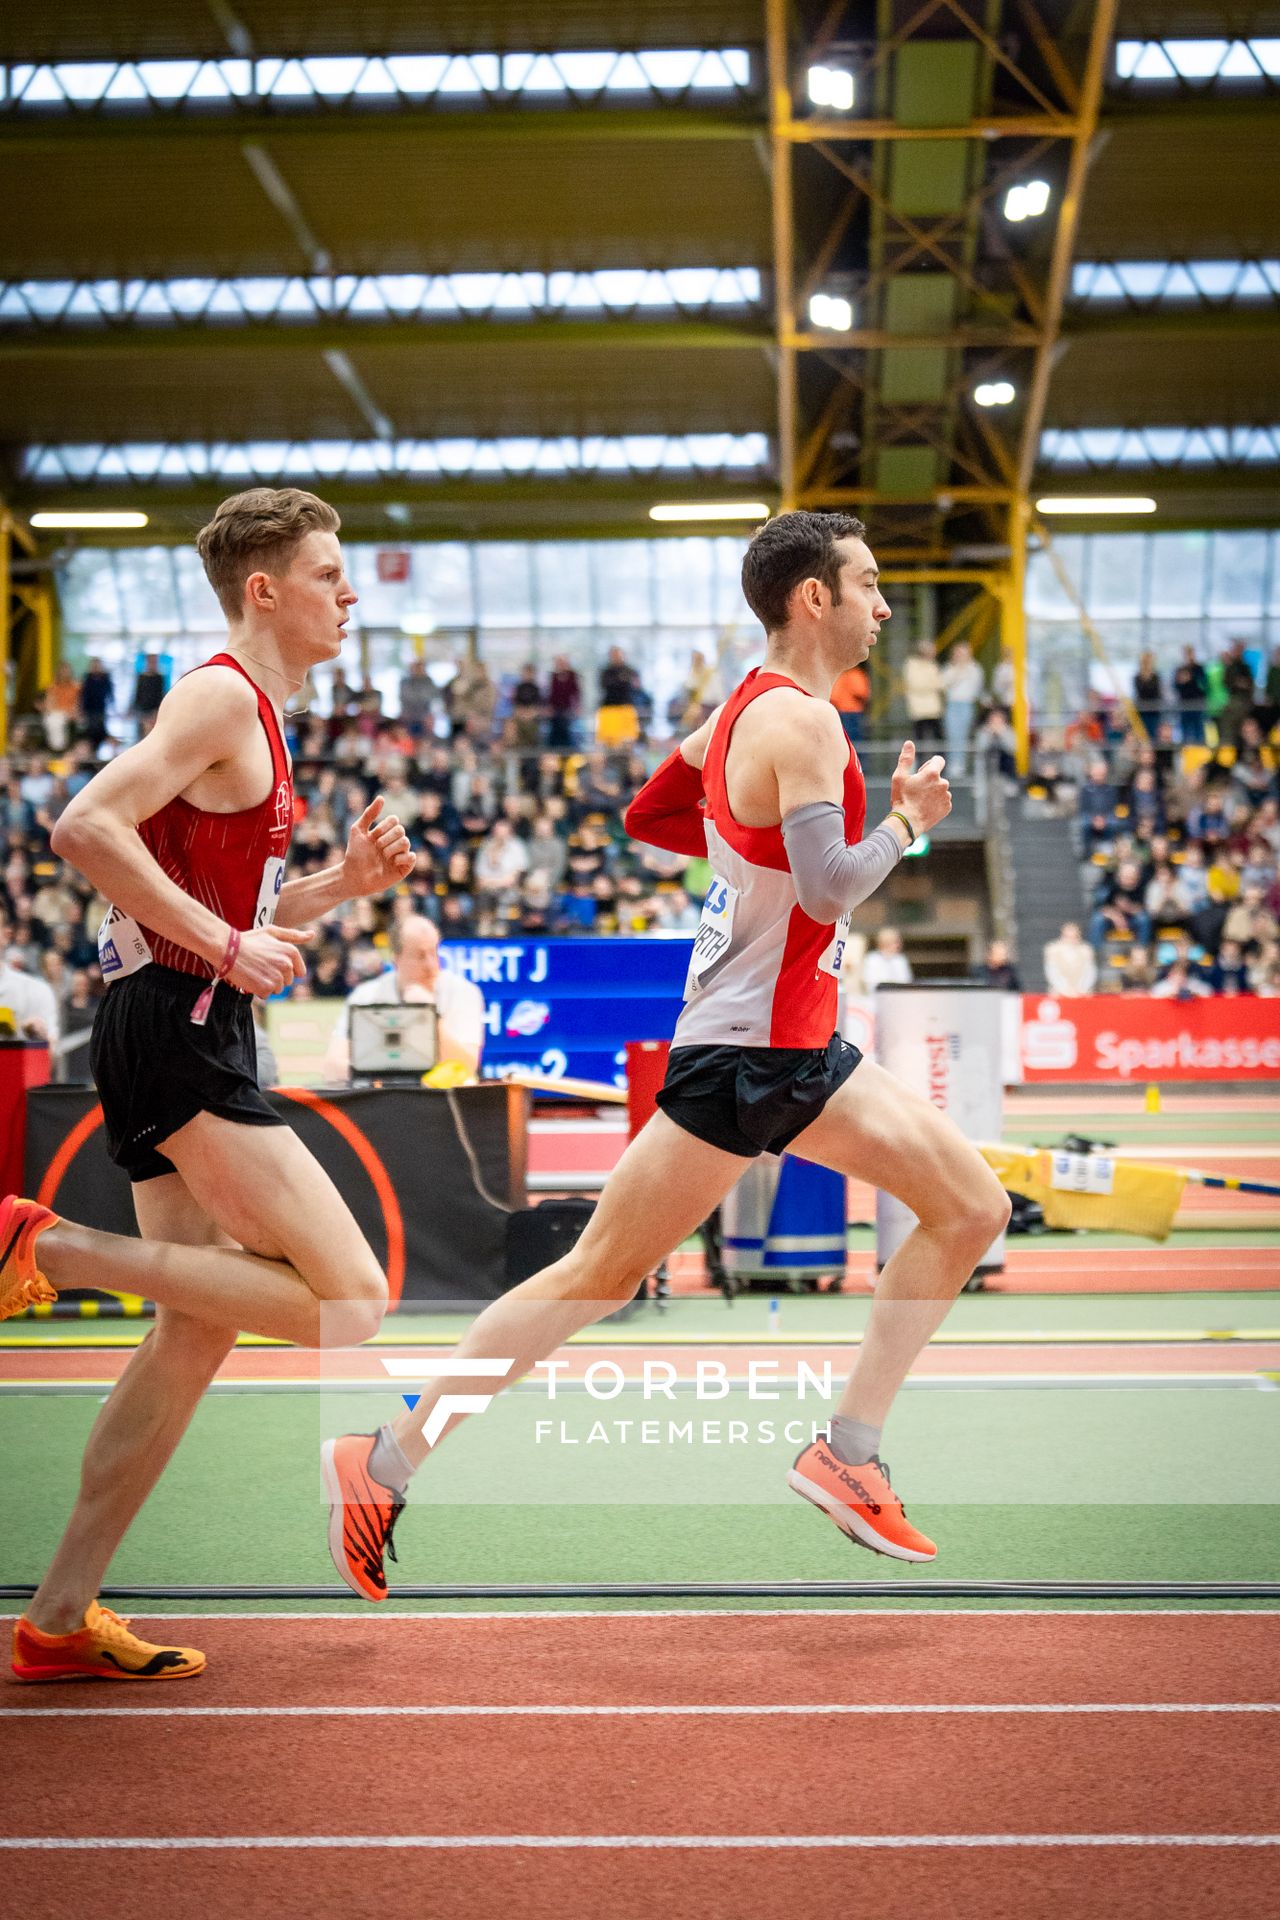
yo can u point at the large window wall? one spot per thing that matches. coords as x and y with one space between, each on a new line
514 600
1162 591
661 599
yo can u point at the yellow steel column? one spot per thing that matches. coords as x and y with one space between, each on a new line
1064 238
784 263
1013 628
43 610
4 629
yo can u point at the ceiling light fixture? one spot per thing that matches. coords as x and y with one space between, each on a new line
1028 201
711 510
995 393
831 87
830 312
98 522
1101 503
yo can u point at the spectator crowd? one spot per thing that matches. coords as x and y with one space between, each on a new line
515 819
1179 834
515 816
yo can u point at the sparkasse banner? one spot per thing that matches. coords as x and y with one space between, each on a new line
1122 1038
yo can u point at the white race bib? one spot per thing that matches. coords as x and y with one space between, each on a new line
122 946
715 930
1082 1172
269 892
834 955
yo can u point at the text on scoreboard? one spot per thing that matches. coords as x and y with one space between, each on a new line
569 1006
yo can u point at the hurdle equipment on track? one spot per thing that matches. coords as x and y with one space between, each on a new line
1082 1185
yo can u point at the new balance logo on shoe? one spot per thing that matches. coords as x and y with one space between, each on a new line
849 1480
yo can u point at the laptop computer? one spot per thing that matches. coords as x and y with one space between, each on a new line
393 1040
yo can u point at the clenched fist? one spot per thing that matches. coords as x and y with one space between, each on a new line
924 796
268 960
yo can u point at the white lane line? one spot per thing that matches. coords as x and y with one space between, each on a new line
84 1843
360 1616
1207 1379
562 1712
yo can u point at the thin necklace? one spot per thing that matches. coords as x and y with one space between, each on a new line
267 667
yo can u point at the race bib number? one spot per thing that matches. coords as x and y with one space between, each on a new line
1082 1172
715 930
269 892
833 958
122 946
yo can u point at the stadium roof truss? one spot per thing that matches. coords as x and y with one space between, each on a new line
511 247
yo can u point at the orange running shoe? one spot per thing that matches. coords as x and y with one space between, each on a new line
362 1514
860 1501
102 1649
21 1283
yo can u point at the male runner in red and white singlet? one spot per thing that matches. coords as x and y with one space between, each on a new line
770 792
187 833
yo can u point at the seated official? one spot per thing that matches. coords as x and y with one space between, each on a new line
418 979
30 1001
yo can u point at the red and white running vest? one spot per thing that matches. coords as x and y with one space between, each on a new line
762 973
232 862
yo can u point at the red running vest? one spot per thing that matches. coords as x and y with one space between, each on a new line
763 973
233 863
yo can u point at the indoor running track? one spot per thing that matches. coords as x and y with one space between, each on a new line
1007 1765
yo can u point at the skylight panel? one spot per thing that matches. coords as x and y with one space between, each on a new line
377 297
168 79
86 80
417 72
126 88
671 70
652 71
374 79
631 453
1197 60
1159 446
582 72
43 89
293 82
1151 282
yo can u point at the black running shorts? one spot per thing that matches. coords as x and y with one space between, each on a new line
751 1100
155 1070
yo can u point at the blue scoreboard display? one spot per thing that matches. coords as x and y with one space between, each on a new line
569 1006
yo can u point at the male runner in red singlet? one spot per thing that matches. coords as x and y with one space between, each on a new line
187 834
770 791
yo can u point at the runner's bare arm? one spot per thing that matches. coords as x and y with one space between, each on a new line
200 725
378 856
806 748
667 811
694 748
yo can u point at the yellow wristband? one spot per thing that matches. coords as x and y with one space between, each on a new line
896 814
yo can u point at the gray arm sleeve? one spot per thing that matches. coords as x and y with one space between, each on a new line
832 877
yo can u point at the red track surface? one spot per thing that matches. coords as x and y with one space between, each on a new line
1035 1884
924 1773
1083 1268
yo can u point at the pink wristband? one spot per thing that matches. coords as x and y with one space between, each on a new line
200 1011
231 955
